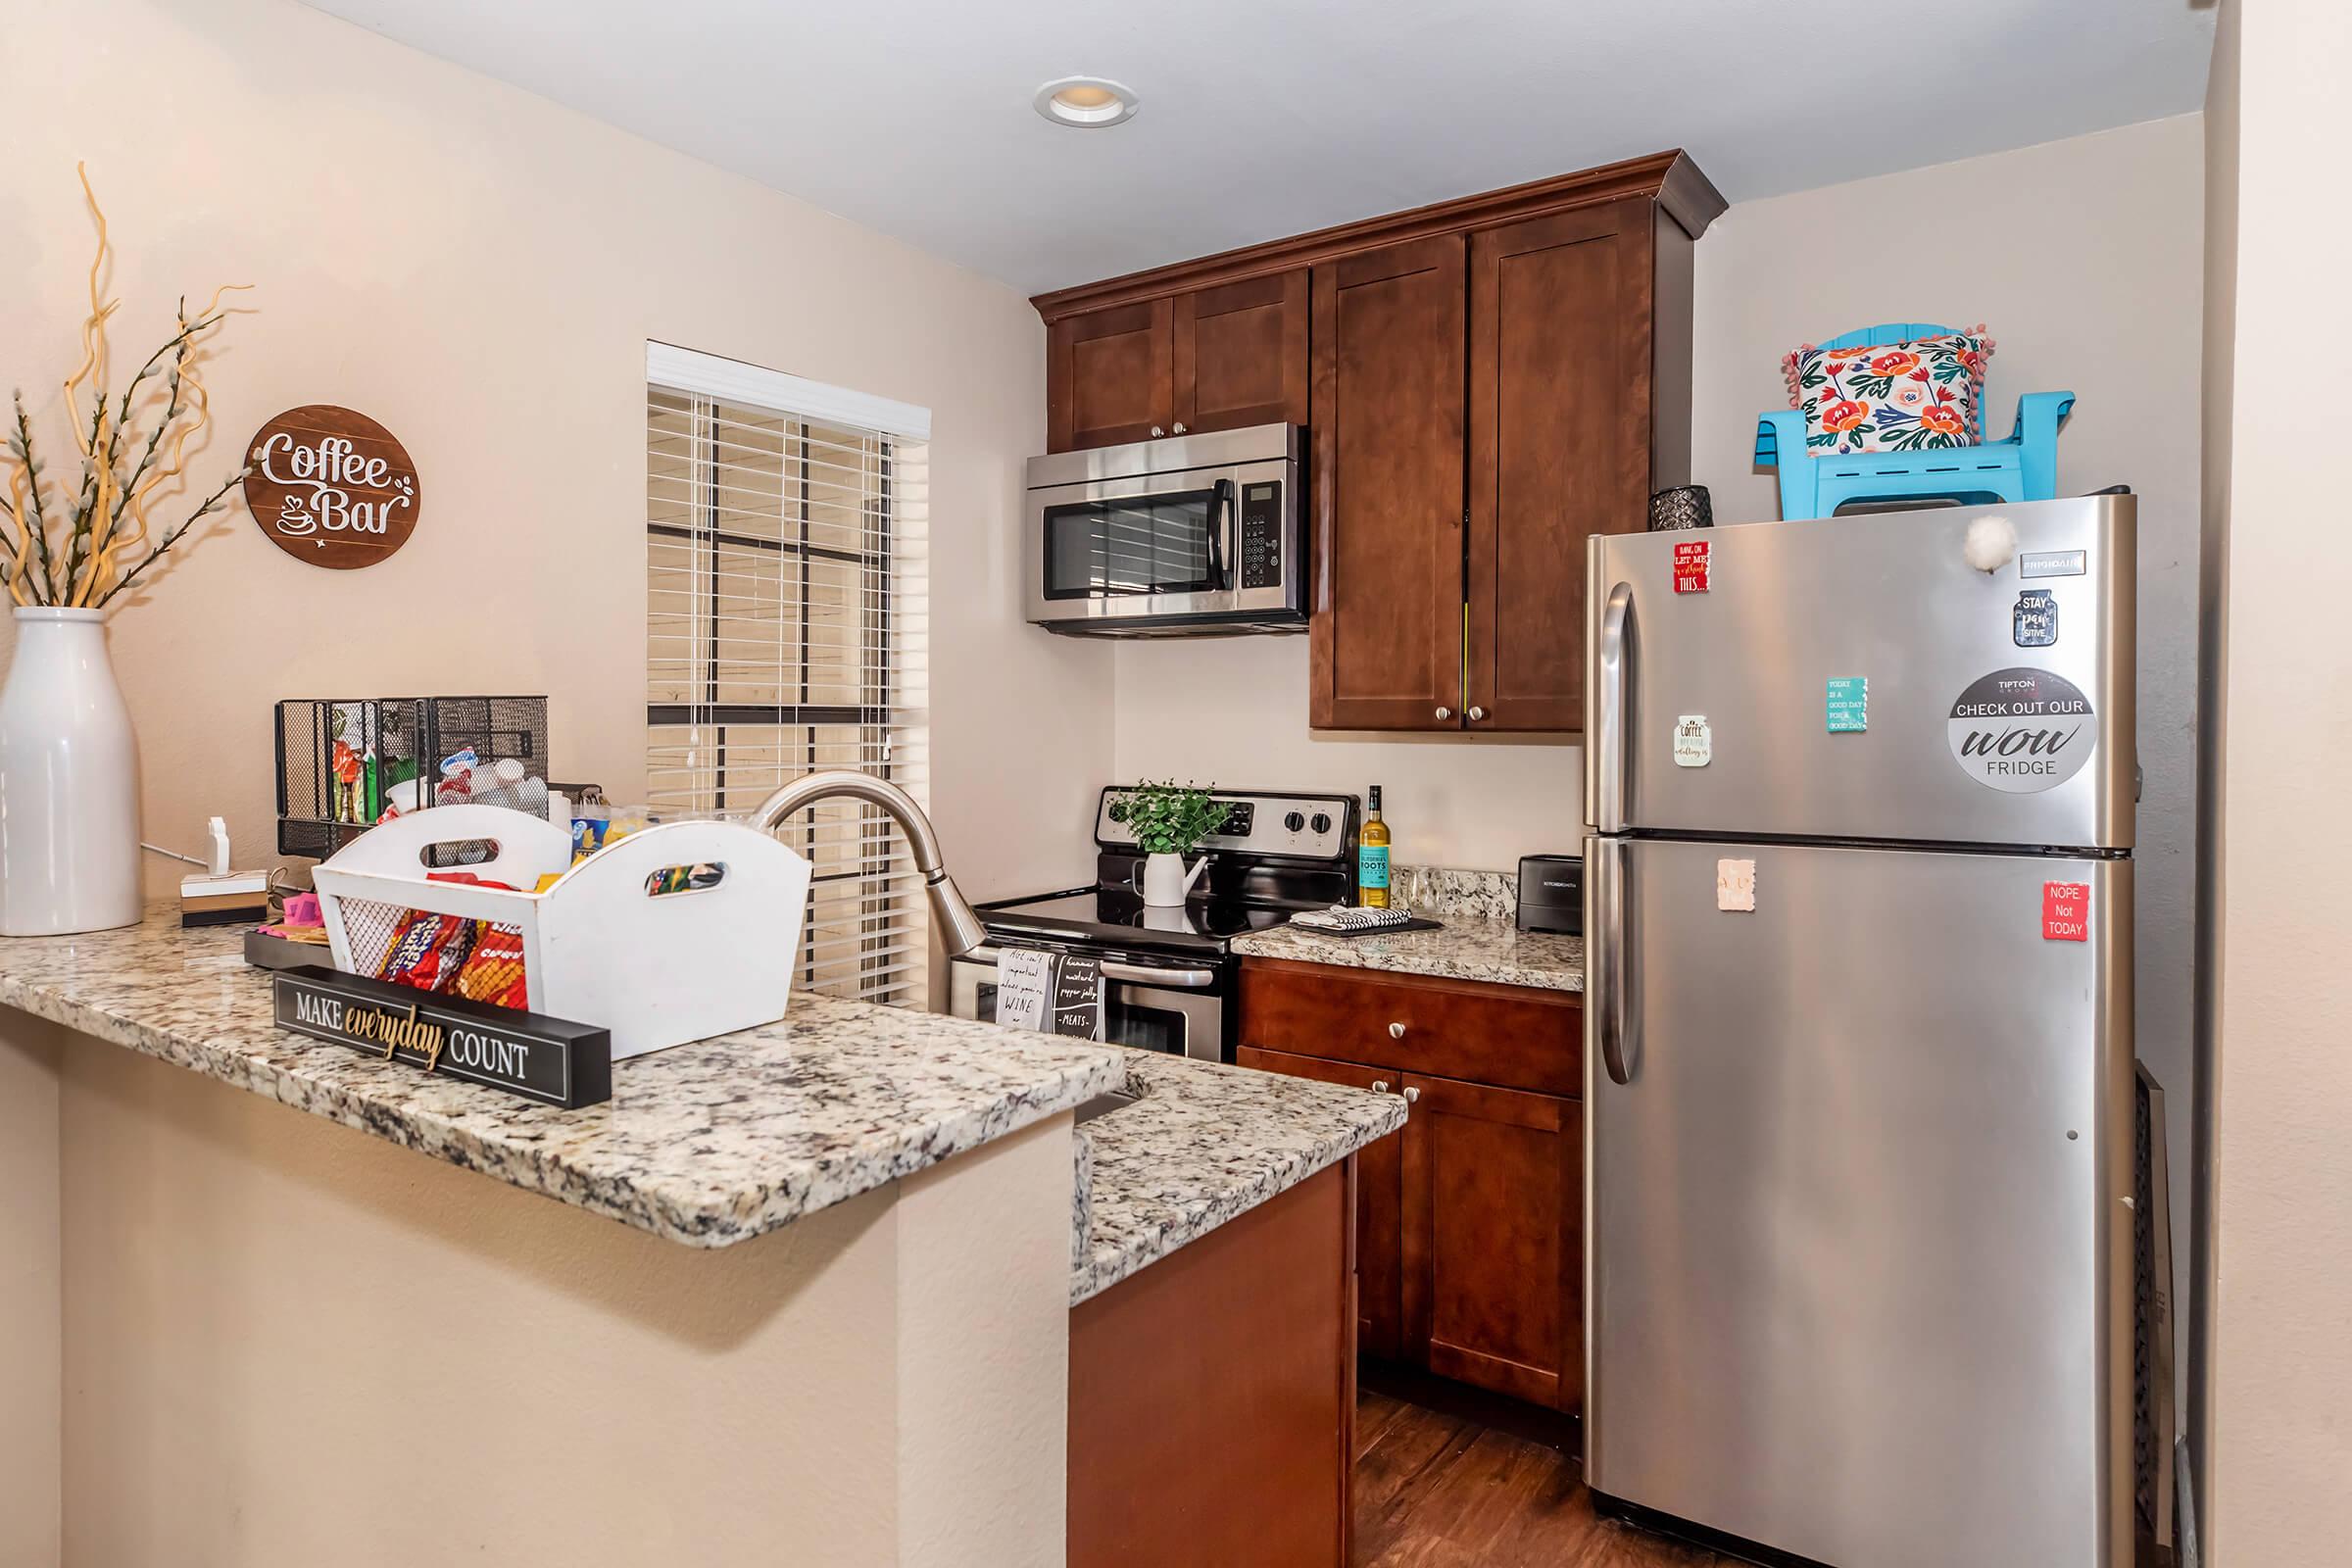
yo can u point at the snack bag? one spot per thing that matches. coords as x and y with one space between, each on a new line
427 949
493 971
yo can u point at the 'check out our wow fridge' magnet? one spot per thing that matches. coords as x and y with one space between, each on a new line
2022 730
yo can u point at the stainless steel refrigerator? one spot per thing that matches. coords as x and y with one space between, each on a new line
1859 1077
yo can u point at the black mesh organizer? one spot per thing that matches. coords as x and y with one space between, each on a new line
317 813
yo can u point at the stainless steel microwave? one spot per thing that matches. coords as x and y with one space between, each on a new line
1192 535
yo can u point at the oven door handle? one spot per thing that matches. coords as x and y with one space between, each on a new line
1125 974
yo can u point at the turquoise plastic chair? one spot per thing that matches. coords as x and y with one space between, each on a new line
2021 467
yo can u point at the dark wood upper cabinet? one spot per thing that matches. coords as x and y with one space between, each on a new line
1386 420
1240 354
1453 480
1109 377
1560 393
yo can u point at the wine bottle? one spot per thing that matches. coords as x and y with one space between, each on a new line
1372 859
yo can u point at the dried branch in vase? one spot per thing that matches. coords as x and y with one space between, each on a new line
105 540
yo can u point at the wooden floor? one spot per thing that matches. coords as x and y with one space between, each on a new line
1442 1490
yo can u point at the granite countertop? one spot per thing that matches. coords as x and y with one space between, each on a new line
727 1139
706 1144
1470 946
1203 1145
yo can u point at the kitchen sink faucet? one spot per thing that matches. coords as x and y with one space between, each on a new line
956 927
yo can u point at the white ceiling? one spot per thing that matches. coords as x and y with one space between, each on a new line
1266 118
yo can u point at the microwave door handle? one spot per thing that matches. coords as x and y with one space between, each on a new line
1220 511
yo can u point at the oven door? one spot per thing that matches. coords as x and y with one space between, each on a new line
1200 546
1176 1009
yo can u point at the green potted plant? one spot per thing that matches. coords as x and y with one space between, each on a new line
1169 820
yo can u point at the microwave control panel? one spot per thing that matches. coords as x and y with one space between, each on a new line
1261 534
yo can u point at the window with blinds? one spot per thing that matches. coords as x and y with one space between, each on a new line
786 534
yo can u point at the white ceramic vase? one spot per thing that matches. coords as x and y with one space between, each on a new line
68 782
1166 880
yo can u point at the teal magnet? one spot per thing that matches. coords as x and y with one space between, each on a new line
1848 704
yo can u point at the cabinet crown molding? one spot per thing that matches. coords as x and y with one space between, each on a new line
1670 178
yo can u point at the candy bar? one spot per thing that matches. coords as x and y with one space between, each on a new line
493 971
427 951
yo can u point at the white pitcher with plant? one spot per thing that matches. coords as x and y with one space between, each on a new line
1168 820
69 763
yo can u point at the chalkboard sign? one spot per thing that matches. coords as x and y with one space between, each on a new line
1057 992
551 1060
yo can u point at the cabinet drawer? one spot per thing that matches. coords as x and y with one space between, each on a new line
1507 1036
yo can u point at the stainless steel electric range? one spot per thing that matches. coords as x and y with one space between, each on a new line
1169 973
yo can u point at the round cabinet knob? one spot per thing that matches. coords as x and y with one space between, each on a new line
1411 1095
1445 712
1180 427
1395 1031
1321 822
1157 431
1379 1085
1477 714
1293 821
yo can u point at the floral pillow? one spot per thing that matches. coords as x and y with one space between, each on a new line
1891 397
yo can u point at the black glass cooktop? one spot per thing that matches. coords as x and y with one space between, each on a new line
1114 917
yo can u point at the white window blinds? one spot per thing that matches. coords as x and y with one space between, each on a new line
786 542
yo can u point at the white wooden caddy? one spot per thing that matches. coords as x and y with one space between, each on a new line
598 946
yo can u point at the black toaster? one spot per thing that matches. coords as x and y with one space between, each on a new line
1551 893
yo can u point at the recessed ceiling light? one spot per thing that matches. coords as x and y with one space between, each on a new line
1087 102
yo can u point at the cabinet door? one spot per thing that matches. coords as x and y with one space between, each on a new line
1241 354
1388 354
1559 446
1108 377
1494 1225
1379 1202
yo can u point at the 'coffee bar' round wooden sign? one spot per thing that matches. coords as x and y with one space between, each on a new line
331 486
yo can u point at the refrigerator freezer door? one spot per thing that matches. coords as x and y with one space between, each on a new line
1858 1268
1860 677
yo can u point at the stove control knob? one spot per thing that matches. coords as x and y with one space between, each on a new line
1322 822
1294 822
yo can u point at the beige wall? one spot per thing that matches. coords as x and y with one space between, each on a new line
287 1343
479 270
1234 710
31 1294
2281 1349
2213 600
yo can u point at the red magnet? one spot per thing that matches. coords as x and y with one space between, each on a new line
1690 565
2066 911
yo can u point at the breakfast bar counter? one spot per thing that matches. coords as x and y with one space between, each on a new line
709 1143
836 1311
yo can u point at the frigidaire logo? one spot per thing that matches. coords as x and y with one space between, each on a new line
2023 730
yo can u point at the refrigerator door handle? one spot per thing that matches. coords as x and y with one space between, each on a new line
1609 757
1605 943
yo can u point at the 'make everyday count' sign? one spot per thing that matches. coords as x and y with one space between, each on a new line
548 1060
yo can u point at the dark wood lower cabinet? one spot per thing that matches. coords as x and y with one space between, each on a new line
1470 1225
1212 1396
1493 1221
1379 1202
